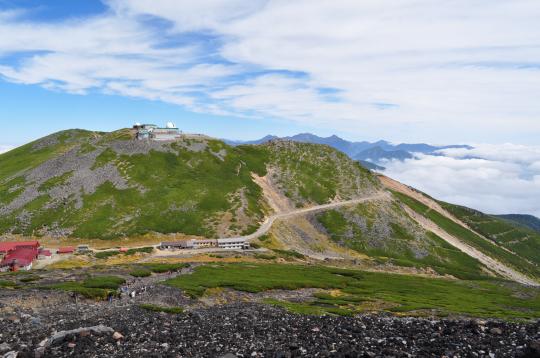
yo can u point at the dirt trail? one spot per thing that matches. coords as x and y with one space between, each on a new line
427 224
433 205
491 263
267 224
430 203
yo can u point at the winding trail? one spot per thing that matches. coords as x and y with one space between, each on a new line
267 223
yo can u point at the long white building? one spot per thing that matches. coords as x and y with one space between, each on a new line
233 244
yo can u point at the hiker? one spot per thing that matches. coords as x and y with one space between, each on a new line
132 294
110 297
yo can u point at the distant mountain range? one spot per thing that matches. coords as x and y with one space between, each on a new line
371 154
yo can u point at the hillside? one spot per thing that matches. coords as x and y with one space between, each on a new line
107 185
308 199
528 221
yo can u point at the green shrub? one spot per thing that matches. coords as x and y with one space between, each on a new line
289 253
146 250
155 308
30 279
265 256
6 283
140 273
97 287
106 254
105 282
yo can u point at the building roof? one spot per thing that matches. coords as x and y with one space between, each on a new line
21 256
45 252
65 250
9 246
228 241
176 243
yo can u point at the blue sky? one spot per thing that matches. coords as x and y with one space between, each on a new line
405 71
442 72
30 112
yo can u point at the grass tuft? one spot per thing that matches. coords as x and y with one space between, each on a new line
155 308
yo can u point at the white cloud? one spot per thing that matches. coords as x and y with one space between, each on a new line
5 148
445 71
494 179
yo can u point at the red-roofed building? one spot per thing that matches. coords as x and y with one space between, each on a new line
20 258
65 250
17 255
44 254
6 247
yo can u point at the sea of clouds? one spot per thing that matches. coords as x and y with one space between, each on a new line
496 179
5 148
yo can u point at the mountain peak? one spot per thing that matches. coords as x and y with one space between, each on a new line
373 151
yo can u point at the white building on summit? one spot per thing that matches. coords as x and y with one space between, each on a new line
153 132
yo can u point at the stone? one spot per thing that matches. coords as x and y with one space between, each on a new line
39 352
117 335
495 330
4 347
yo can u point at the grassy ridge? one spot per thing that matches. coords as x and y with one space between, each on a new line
96 287
471 238
311 173
196 186
384 232
519 239
351 291
179 190
32 154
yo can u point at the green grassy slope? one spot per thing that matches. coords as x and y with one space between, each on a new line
521 240
360 290
384 231
107 185
528 221
315 174
512 259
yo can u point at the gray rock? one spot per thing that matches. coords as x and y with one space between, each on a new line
4 347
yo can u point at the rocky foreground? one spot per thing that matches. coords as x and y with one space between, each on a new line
63 328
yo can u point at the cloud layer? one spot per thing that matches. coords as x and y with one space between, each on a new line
495 179
5 148
448 71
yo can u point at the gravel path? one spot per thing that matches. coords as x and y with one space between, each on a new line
267 224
